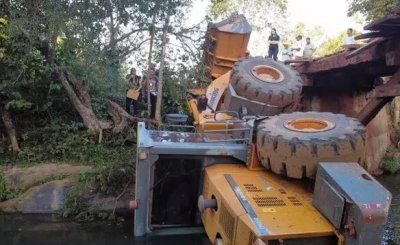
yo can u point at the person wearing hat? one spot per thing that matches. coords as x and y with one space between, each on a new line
132 87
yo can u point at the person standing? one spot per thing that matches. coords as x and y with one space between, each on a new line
151 84
273 45
309 49
349 39
133 83
298 48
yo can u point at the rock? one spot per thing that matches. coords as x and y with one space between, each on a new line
45 198
377 172
24 178
49 198
44 193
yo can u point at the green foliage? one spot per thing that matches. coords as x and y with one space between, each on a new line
226 7
111 178
6 192
76 207
331 46
85 177
300 28
391 164
174 97
371 9
23 71
68 142
77 36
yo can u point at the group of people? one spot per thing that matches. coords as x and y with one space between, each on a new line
301 49
137 90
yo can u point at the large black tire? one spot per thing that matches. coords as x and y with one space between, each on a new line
287 146
281 89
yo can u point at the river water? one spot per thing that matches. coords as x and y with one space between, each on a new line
43 230
392 232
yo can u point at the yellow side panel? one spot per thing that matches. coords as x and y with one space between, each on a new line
283 206
231 45
215 91
226 214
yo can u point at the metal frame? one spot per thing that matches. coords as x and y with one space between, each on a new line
151 144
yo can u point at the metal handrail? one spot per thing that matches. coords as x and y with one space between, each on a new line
228 132
172 126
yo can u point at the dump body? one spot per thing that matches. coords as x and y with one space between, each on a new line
226 43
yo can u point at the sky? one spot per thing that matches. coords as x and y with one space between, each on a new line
331 15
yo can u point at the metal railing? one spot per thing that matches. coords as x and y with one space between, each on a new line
233 131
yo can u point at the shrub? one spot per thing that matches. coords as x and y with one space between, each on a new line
6 192
77 208
391 164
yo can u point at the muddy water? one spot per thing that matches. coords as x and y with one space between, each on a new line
43 230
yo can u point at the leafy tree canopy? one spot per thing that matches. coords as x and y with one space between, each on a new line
372 9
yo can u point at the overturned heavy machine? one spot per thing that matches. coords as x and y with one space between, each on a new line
253 170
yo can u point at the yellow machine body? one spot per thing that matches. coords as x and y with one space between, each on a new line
283 207
208 119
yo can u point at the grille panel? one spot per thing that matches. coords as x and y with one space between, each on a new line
268 201
226 221
295 201
251 188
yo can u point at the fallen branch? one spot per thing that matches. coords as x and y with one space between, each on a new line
120 195
122 119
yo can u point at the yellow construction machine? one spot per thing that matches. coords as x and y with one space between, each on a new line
253 171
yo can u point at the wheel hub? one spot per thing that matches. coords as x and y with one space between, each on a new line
309 125
267 74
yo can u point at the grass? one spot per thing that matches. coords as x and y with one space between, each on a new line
6 192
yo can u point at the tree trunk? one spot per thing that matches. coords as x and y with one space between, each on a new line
78 93
152 32
111 27
161 74
10 129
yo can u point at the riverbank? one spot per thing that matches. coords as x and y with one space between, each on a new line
44 188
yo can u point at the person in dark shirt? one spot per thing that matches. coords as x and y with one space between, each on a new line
133 82
273 45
